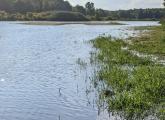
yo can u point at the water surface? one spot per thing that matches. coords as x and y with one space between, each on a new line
39 76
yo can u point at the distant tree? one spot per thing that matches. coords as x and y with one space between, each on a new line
90 8
79 9
22 6
67 6
26 6
6 5
40 5
101 13
34 5
61 5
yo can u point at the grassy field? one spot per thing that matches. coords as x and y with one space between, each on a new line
136 85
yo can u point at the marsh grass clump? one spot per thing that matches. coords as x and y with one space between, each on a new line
137 83
82 63
138 94
110 51
152 42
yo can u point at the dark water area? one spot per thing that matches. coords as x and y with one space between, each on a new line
39 75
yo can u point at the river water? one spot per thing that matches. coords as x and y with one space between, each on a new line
39 75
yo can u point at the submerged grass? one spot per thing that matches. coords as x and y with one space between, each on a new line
110 52
138 84
152 42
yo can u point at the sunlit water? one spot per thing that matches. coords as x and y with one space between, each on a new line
39 76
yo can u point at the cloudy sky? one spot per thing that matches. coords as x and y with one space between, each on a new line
121 4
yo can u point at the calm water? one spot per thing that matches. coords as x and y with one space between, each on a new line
39 76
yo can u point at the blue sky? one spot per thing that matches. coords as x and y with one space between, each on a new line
121 4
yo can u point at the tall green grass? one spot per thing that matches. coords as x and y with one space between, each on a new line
152 42
138 84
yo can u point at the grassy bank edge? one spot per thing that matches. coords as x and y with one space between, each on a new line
72 22
137 84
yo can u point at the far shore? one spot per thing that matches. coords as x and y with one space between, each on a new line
73 22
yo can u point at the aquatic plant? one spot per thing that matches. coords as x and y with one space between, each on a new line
152 42
137 83
82 63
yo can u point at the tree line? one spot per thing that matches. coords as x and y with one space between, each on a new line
34 5
89 11
138 14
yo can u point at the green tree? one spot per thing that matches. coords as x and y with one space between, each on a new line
67 6
90 8
101 13
79 9
6 5
22 6
40 5
61 5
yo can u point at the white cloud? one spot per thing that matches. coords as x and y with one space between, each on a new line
121 4
146 3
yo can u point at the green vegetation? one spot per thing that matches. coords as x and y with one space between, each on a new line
71 22
63 16
44 16
23 6
81 63
150 42
138 14
135 85
112 53
58 9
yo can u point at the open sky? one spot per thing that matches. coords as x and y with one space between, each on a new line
121 4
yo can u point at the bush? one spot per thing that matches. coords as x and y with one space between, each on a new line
134 85
66 16
49 16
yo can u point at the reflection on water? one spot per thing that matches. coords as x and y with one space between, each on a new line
39 75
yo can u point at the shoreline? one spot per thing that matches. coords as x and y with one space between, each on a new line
73 22
133 73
